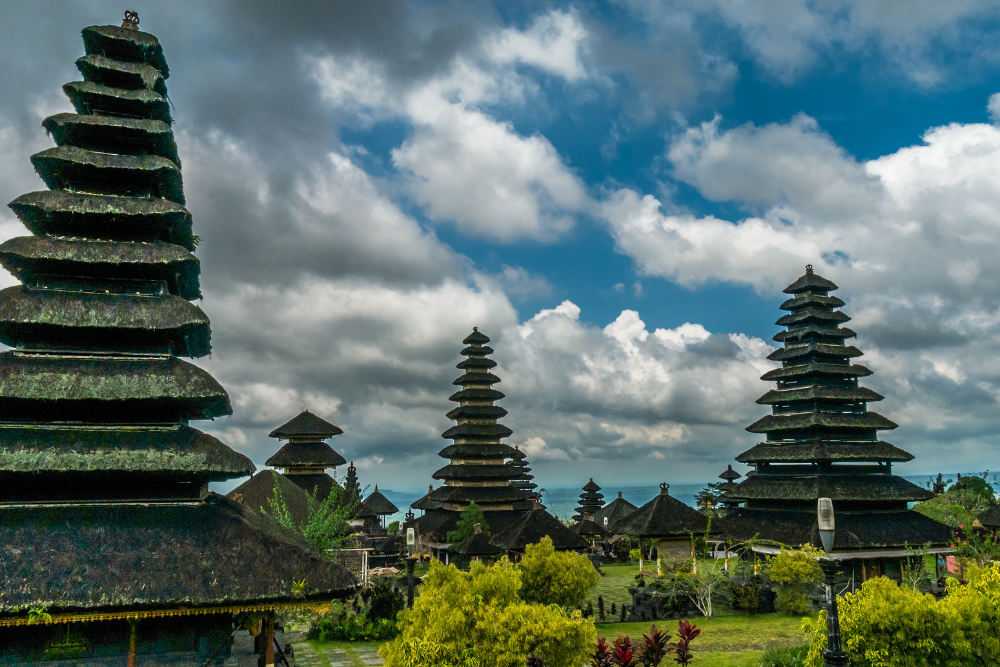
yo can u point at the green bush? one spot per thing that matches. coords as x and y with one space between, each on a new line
352 628
796 572
886 625
556 577
481 611
784 657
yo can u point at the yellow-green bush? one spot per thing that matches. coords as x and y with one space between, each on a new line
479 618
556 577
886 625
795 571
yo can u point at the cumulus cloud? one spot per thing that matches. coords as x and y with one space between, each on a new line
553 43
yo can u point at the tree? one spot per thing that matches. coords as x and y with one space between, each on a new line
324 525
466 527
794 571
980 487
707 580
556 577
954 507
481 611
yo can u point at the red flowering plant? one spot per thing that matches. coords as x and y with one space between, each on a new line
602 656
686 633
623 654
976 546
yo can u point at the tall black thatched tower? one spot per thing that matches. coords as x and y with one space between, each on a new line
105 515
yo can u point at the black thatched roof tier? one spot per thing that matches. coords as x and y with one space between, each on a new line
813 332
990 518
817 370
41 448
476 362
588 528
306 425
614 511
812 314
473 394
476 351
839 484
810 282
477 378
72 168
150 267
804 299
856 530
120 73
258 493
97 216
463 471
127 45
127 136
156 555
777 423
532 527
477 450
479 431
825 393
592 489
477 412
815 350
478 545
105 322
88 97
53 387
312 454
477 340
729 474
481 495
377 504
663 516
800 452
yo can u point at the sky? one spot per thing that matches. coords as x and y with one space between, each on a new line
615 192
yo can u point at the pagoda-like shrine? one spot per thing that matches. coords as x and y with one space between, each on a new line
671 524
523 479
591 501
106 521
613 512
822 442
477 471
305 456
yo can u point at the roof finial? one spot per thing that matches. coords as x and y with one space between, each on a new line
131 20
376 488
664 489
475 328
809 268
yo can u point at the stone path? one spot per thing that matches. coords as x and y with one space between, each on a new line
306 655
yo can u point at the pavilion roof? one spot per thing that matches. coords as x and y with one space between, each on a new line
478 545
616 510
306 424
378 504
663 516
535 525
306 454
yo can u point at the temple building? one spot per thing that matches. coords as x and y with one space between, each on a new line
305 457
591 502
822 442
106 521
672 525
523 480
477 471
610 514
373 510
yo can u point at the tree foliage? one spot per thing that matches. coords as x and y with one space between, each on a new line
466 527
887 625
481 611
324 525
954 507
795 571
556 577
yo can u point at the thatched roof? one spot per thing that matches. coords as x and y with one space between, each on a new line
377 505
306 424
478 545
535 525
258 492
615 511
156 555
663 516
806 484
306 454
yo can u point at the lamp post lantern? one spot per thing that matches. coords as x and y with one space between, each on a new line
826 520
411 544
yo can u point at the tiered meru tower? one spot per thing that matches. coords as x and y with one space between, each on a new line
104 508
305 456
477 471
822 442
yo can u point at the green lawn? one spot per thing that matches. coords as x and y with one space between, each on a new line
347 654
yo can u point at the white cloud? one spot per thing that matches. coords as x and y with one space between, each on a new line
552 43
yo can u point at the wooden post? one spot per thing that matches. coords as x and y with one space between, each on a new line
133 624
268 639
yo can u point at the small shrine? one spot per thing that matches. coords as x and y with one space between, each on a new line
613 512
591 501
305 456
822 442
670 523
373 511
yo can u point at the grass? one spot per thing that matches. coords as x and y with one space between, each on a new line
348 654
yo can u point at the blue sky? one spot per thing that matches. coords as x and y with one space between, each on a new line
615 192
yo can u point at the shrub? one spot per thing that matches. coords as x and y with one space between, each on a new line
481 611
795 572
784 657
466 526
385 600
556 577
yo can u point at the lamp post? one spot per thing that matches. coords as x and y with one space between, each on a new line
411 544
834 656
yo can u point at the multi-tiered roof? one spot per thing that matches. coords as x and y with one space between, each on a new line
477 471
103 484
591 501
523 479
305 456
822 440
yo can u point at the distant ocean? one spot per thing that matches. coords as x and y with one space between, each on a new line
562 501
